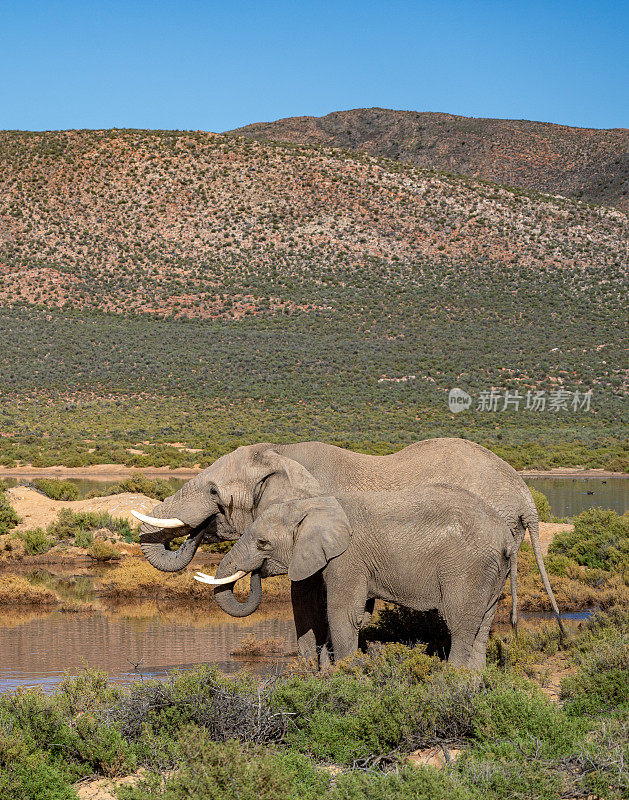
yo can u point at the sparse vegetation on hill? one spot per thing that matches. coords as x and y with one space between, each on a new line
583 163
163 287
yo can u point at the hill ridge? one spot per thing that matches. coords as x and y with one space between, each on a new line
590 164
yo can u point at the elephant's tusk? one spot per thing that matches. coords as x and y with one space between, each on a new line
203 578
159 523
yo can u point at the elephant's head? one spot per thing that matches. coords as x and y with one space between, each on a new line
297 537
220 502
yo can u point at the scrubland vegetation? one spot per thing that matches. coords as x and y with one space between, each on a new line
199 292
577 162
87 530
344 733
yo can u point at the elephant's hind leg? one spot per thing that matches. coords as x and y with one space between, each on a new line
479 650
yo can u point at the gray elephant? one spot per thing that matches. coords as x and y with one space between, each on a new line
436 548
223 500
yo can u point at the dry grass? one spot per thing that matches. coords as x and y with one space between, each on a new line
12 548
573 591
136 578
252 647
15 589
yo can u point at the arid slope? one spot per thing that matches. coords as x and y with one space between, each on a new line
583 163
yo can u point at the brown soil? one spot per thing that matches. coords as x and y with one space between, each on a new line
97 472
557 668
548 531
571 472
120 471
37 511
105 788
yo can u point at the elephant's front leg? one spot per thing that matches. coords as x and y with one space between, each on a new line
346 611
311 624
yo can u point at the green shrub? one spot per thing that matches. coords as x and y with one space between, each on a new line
56 489
8 517
36 541
601 685
138 483
70 523
84 538
527 648
88 690
541 504
103 551
600 540
41 781
223 771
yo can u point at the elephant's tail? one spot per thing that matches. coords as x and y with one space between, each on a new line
513 569
532 523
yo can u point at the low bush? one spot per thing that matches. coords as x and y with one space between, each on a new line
84 538
11 547
601 653
576 588
70 523
36 541
522 652
56 489
600 540
8 517
138 483
541 504
103 551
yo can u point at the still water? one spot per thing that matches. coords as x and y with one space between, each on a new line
570 496
133 642
567 496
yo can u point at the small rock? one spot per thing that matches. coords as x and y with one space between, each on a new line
434 756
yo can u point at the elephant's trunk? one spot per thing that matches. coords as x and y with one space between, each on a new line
159 556
224 595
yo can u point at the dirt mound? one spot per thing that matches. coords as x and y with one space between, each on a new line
548 531
38 511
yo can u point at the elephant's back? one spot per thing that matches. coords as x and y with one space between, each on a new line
450 461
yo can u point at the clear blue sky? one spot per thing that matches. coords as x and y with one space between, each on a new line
190 64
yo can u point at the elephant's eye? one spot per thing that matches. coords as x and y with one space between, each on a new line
214 492
263 544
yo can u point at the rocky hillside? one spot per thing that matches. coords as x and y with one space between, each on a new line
587 164
204 225
212 290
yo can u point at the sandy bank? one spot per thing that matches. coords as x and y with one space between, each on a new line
97 472
115 472
37 511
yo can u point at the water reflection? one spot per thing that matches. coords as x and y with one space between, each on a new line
38 649
567 496
570 496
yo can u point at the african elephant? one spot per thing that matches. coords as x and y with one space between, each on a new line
220 503
435 548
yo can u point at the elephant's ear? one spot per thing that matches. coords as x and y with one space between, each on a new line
323 533
287 480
